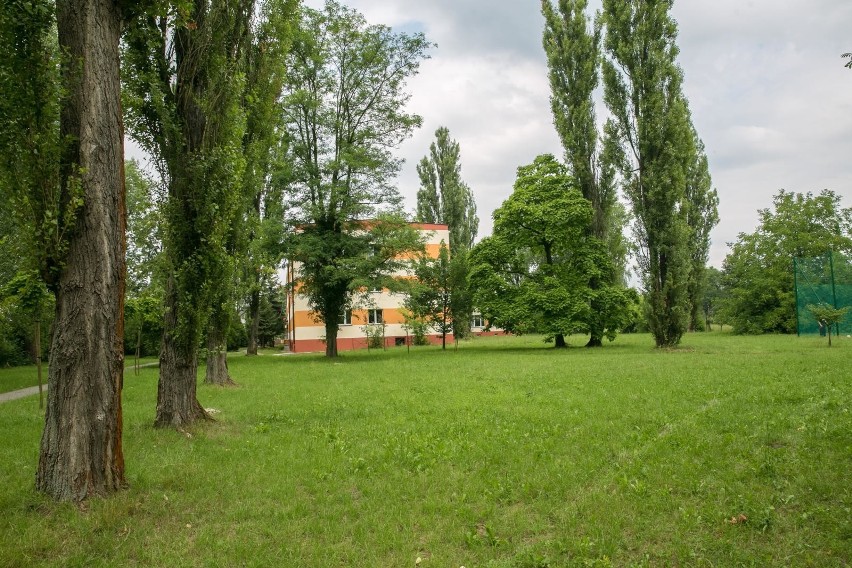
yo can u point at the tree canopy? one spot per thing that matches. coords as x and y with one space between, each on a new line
533 274
345 112
650 120
758 272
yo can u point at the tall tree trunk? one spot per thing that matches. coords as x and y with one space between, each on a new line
177 405
560 341
254 322
81 453
331 339
217 355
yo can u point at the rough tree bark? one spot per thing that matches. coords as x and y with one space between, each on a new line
81 454
177 405
217 357
254 323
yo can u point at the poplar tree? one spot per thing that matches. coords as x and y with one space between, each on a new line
264 148
444 198
572 47
702 216
642 89
182 93
62 158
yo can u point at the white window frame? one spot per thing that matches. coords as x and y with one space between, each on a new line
345 318
375 316
477 321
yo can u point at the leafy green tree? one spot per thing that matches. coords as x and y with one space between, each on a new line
534 273
828 316
713 297
702 215
345 112
272 314
758 272
572 47
444 198
256 240
430 297
183 89
650 119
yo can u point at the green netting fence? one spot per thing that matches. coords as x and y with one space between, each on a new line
823 279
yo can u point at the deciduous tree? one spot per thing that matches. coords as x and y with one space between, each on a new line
74 193
444 198
345 112
572 47
758 272
183 90
534 273
702 215
642 89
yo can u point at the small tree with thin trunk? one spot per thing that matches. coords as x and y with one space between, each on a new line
827 316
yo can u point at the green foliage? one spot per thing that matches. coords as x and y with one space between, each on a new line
430 296
713 297
534 273
702 215
828 316
443 197
30 145
272 314
144 231
143 323
417 327
237 334
375 333
183 97
758 272
345 112
651 124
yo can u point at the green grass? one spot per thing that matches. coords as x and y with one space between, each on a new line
503 454
15 378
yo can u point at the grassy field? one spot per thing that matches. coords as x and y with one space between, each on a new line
730 451
15 378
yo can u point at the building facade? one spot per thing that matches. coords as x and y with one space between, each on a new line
374 310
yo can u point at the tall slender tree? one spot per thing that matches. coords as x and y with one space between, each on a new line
76 196
264 147
642 89
345 111
183 90
702 215
444 198
573 53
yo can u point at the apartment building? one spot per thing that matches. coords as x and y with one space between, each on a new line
372 308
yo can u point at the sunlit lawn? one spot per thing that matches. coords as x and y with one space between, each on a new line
504 453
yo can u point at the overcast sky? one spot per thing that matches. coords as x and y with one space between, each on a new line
765 80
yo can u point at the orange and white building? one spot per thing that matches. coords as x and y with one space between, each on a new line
306 333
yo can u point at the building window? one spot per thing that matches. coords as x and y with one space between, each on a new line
345 318
376 289
374 316
477 321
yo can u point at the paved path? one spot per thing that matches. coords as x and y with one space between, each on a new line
29 391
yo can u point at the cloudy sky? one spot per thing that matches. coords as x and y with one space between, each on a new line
769 94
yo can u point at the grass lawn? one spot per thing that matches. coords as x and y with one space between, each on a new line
16 378
504 454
